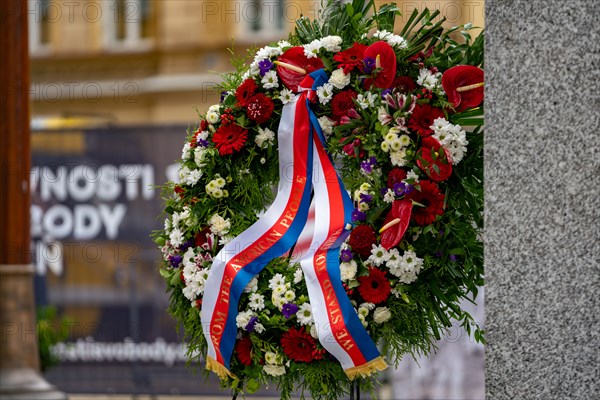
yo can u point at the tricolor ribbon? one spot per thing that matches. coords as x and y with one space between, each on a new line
289 220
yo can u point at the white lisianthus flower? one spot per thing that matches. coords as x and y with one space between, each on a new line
265 138
312 49
313 332
270 80
274 370
257 301
348 270
325 93
332 43
428 79
326 125
381 315
219 225
304 314
176 237
286 95
339 79
366 100
363 320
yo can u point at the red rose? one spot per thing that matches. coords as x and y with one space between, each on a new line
260 108
230 138
351 58
422 118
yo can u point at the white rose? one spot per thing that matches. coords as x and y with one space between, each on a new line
339 79
348 270
381 315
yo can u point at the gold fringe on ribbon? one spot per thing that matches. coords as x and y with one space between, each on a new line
365 370
219 369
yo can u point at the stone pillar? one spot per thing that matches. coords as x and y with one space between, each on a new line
542 163
19 358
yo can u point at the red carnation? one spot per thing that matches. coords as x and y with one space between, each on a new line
298 345
243 349
351 58
432 200
374 288
404 84
230 138
245 91
362 240
201 237
260 108
203 125
422 118
341 103
396 175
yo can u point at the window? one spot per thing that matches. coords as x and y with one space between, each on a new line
263 19
41 13
129 24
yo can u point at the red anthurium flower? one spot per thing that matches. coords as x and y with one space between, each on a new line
385 59
295 56
434 160
468 78
351 58
401 210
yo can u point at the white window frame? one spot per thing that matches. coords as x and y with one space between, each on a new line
133 40
269 24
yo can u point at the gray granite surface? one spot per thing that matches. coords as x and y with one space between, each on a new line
542 208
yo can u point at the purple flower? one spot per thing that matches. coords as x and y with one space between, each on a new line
453 257
186 245
369 65
289 309
346 255
251 324
223 95
386 92
438 254
402 189
366 198
367 165
358 215
201 142
175 260
265 66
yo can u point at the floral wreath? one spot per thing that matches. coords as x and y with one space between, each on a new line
390 112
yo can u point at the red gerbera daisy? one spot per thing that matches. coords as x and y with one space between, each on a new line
422 118
362 239
298 345
342 103
374 288
351 58
432 200
260 108
245 91
230 138
404 84
396 175
243 350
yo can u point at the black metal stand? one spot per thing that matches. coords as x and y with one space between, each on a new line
355 390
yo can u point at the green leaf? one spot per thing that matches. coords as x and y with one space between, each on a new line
252 386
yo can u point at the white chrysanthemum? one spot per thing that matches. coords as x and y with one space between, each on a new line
348 270
274 370
196 284
326 125
276 280
243 318
176 237
398 158
392 39
452 137
366 100
270 80
167 224
363 320
312 49
325 93
385 146
365 186
332 43
265 137
381 315
186 151
252 286
283 44
379 255
389 196
257 301
278 301
289 296
304 314
279 291
363 311
213 114
188 293
267 52
219 225
298 276
189 259
286 95
339 79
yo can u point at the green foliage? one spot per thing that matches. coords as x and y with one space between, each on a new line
50 330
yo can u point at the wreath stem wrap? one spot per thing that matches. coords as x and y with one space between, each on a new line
340 331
